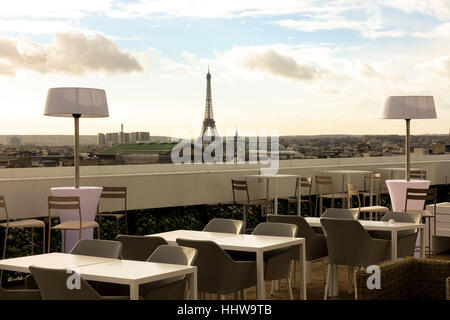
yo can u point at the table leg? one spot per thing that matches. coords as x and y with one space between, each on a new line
394 245
422 243
192 277
260 287
134 291
302 265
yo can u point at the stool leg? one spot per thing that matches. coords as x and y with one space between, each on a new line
4 253
43 240
117 225
64 249
98 232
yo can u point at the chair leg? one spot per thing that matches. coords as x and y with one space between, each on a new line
43 240
4 253
350 279
327 283
48 238
244 217
126 223
98 232
315 207
272 287
290 288
117 226
32 240
323 270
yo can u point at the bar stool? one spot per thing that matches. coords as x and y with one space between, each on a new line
301 182
241 186
327 182
376 188
352 190
115 193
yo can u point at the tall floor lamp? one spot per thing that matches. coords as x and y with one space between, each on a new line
408 107
76 103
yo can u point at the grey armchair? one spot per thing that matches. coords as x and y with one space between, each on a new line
316 246
224 225
406 240
278 263
349 244
139 248
218 273
169 289
98 248
53 286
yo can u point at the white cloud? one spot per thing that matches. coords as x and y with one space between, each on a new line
71 53
439 9
439 66
441 31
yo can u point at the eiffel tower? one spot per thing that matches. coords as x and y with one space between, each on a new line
209 125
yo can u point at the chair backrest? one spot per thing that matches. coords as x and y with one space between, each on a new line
224 225
53 284
3 206
174 255
64 203
324 182
214 265
418 174
240 186
303 182
98 248
421 195
304 230
276 229
139 248
341 213
115 193
376 182
347 241
352 191
398 217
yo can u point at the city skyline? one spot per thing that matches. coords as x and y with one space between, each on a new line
311 67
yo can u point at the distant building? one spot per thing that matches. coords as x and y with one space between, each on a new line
438 148
101 139
15 141
139 137
112 138
124 137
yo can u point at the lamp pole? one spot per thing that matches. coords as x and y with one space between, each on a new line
76 150
407 151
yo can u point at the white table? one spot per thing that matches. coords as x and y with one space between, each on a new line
346 177
393 227
248 243
391 171
135 273
132 273
397 192
276 177
89 197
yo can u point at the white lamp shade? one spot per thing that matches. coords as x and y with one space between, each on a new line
408 107
86 102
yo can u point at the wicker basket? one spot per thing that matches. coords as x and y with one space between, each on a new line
406 279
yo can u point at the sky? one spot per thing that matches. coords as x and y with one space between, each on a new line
292 67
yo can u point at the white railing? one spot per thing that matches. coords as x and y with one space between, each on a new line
167 185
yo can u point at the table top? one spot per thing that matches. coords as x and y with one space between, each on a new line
228 241
50 260
73 188
272 176
348 171
375 225
399 181
399 169
127 271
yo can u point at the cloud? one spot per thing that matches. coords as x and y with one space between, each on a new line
439 9
270 61
70 53
441 31
439 66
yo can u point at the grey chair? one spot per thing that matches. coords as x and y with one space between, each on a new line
217 272
336 213
53 286
87 247
19 294
278 263
316 246
169 289
350 244
406 240
224 225
139 248
98 248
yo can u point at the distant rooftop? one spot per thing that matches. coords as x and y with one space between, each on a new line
139 148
